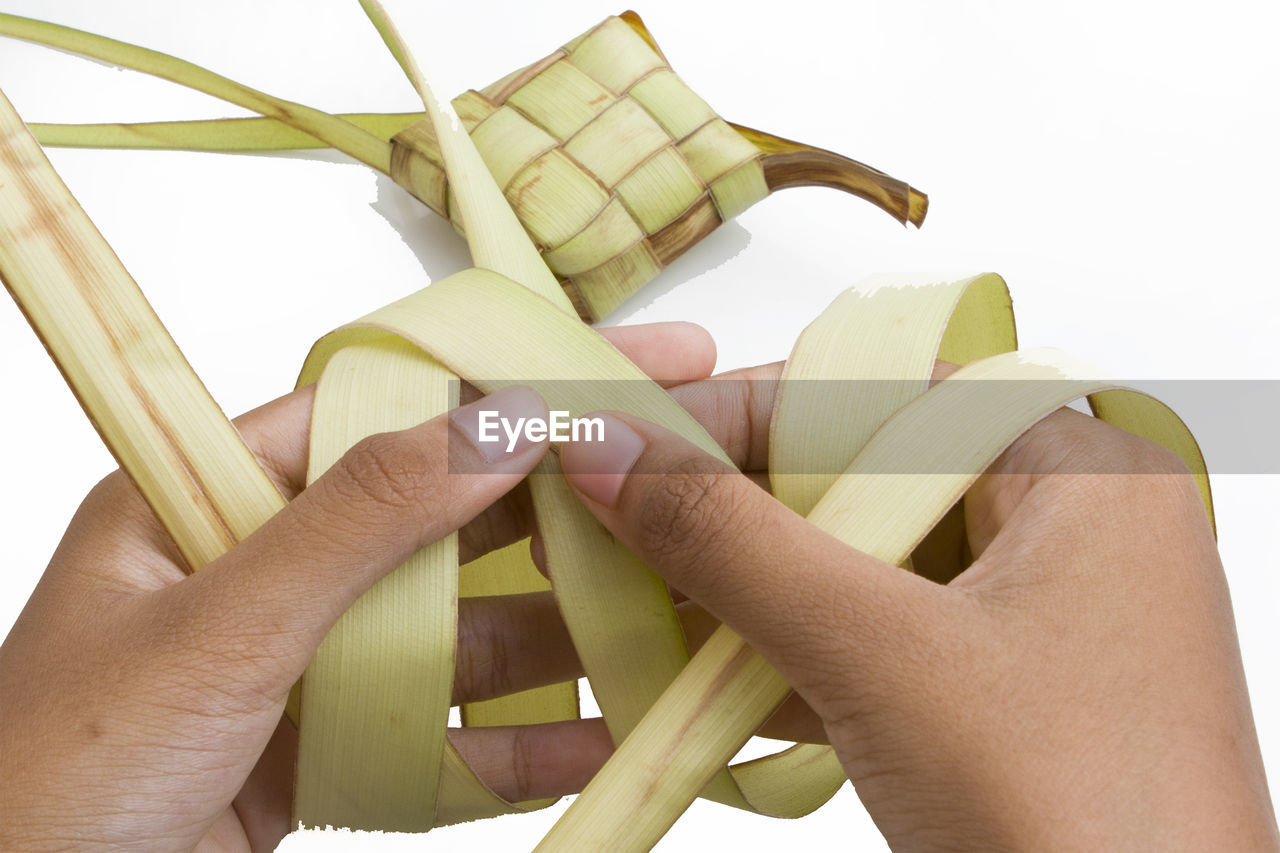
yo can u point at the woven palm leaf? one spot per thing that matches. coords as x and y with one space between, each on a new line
614 166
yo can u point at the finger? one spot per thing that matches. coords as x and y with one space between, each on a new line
668 353
735 408
278 434
801 598
282 588
511 643
531 762
537 549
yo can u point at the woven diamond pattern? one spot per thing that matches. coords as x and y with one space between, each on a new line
612 163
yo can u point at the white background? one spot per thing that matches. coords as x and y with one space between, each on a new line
1114 161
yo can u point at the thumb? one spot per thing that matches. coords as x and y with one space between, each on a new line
282 588
807 602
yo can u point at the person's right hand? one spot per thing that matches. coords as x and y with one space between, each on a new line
1078 686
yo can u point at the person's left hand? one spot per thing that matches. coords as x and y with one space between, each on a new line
143 707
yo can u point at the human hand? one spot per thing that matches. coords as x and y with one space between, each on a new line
142 707
1078 686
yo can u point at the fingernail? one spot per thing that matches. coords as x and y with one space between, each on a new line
496 425
599 468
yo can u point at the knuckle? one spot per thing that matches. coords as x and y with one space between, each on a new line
1149 472
1069 442
682 513
110 488
116 497
1065 442
1147 457
1163 486
388 469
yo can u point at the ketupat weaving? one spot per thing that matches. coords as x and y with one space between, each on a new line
373 754
614 166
